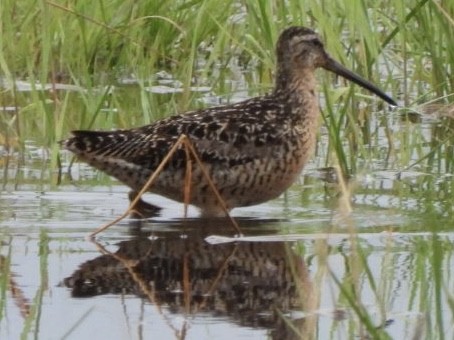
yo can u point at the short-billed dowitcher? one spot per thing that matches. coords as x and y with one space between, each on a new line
253 150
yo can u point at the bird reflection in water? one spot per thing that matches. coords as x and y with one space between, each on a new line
254 284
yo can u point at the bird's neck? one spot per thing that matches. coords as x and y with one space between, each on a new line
297 90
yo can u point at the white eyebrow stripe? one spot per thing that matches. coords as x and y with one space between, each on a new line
310 37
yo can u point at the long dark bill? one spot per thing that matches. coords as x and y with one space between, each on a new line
339 69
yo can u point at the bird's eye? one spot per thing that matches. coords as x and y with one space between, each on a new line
317 42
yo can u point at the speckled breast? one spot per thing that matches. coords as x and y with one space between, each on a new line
246 184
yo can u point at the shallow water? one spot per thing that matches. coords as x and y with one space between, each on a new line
170 277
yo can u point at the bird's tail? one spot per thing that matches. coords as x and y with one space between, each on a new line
93 142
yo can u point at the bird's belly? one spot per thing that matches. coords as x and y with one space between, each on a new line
242 185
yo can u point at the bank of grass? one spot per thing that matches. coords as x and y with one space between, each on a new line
94 44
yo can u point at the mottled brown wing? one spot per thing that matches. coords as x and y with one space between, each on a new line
231 134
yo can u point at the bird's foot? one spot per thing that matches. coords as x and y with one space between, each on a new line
142 209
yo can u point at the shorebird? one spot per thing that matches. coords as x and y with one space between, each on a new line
253 150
